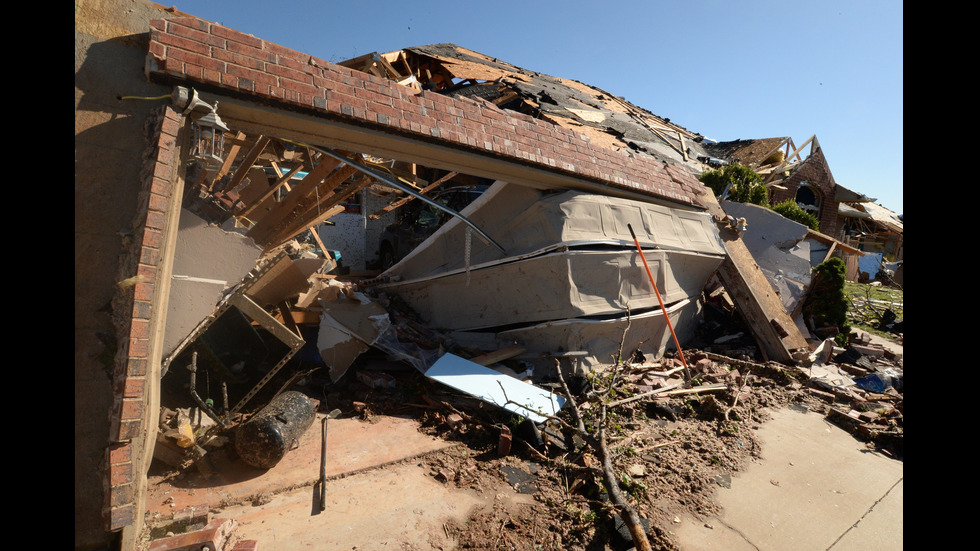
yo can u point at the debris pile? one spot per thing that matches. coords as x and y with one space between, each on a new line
670 441
532 323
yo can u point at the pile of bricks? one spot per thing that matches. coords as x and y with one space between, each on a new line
202 532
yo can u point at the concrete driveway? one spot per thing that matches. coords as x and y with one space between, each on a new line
816 488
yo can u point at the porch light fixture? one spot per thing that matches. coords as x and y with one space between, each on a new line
209 137
209 130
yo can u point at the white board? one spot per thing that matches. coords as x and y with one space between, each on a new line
514 395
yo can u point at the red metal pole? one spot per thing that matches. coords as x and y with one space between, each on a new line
661 301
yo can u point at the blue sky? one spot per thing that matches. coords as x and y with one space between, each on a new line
729 70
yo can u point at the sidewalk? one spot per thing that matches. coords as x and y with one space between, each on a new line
816 488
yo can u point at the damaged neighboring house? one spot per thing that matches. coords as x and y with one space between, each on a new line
848 219
254 149
789 174
878 232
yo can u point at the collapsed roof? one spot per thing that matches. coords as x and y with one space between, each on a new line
606 119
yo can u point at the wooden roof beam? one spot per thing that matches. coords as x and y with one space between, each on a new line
405 200
247 163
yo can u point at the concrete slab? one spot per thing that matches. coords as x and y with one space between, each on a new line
353 445
816 488
400 506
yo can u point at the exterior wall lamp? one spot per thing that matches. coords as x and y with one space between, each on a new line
209 129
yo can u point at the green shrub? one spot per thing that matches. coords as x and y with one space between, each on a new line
789 209
746 185
827 303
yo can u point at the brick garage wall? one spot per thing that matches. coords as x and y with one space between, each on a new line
132 307
191 50
815 171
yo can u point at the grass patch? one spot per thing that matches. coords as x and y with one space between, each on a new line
867 303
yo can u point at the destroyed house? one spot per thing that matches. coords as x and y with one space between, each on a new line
224 157
800 173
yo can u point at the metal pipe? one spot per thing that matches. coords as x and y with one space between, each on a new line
387 180
204 407
323 466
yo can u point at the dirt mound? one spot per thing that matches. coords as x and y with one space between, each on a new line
669 454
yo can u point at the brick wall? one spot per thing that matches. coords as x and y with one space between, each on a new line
815 171
190 50
132 308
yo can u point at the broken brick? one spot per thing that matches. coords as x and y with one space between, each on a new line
454 420
868 416
869 350
503 444
446 475
825 396
212 536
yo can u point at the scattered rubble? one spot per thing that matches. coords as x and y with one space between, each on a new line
615 376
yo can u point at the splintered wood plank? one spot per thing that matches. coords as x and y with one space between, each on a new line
324 197
247 163
265 227
392 72
319 242
404 200
322 211
229 161
289 234
755 297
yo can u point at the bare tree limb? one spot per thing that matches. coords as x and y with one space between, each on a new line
626 511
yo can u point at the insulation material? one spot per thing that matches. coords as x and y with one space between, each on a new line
569 276
647 332
512 394
595 341
560 285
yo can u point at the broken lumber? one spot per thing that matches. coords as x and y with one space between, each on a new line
230 157
405 200
754 296
253 154
644 395
703 388
498 355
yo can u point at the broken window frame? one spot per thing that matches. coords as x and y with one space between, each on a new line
816 206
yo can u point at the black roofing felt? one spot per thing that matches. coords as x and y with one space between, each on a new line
556 98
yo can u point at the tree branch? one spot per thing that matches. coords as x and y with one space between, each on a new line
626 511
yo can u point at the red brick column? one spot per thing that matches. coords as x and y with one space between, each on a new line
132 308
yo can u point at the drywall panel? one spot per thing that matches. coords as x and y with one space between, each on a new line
512 394
207 261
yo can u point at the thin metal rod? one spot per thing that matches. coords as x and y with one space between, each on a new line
193 391
323 466
380 176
